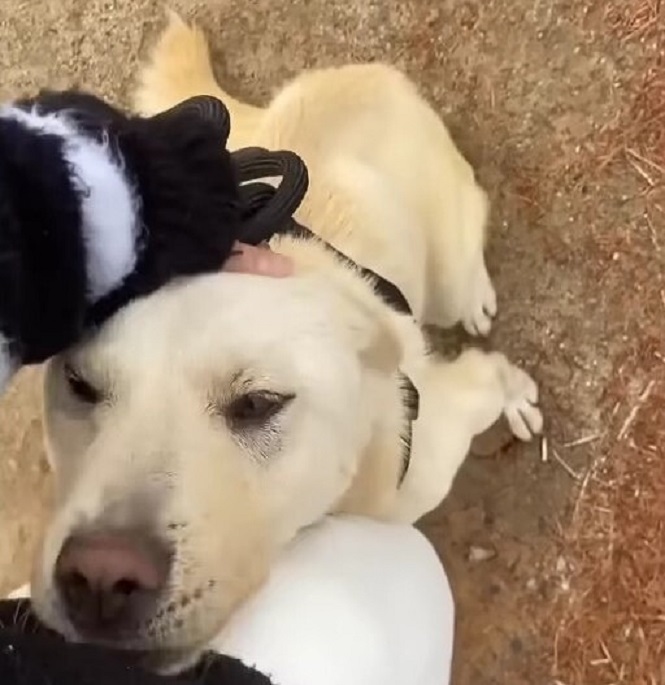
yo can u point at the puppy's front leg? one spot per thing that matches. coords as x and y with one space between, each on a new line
459 400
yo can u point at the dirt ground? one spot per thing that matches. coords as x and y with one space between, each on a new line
560 105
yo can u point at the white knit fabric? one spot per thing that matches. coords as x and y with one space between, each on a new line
109 206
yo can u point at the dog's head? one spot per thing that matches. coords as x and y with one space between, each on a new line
191 437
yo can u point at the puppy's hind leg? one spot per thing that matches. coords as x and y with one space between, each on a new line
459 286
459 400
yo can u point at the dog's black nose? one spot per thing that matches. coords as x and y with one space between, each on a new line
110 583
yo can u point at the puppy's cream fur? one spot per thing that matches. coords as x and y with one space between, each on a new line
389 189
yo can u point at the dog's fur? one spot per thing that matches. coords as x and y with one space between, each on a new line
158 450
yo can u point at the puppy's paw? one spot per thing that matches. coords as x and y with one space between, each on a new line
521 407
481 307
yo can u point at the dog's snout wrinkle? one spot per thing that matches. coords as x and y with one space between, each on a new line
110 582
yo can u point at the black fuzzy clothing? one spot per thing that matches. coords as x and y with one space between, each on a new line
186 207
32 655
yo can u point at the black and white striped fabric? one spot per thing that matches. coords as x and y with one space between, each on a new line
97 208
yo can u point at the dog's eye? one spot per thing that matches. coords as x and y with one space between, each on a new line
81 388
255 408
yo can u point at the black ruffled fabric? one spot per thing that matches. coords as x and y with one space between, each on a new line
31 654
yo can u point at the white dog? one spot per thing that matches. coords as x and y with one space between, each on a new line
200 430
349 601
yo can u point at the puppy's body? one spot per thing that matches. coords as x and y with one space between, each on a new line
143 422
388 187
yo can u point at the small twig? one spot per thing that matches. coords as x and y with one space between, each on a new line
632 414
582 441
641 172
544 451
646 160
581 493
636 31
653 235
566 467
609 658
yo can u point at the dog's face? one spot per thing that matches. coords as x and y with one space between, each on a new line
193 436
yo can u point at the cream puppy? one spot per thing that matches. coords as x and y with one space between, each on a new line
349 600
199 431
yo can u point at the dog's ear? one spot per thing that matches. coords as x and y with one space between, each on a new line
380 345
374 330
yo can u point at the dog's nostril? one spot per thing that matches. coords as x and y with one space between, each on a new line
74 590
126 587
77 581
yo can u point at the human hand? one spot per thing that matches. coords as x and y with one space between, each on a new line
259 260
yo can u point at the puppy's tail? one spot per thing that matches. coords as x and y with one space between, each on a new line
179 67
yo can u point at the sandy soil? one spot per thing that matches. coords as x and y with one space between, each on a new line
547 99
